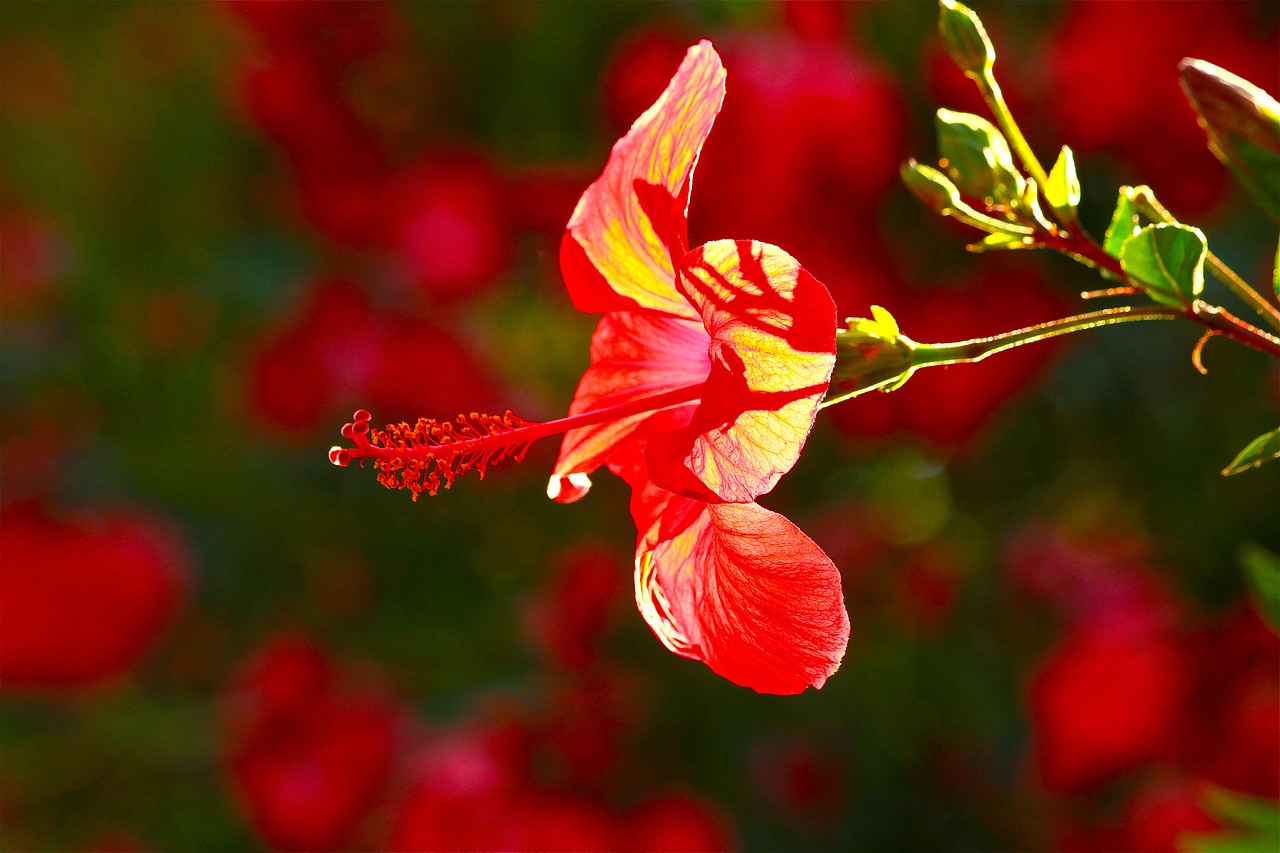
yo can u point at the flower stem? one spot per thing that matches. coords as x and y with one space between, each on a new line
933 355
995 102
1079 245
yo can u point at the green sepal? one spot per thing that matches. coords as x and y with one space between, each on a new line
1168 261
1243 125
1063 190
1252 824
1262 571
976 157
1262 449
871 354
1001 243
1124 223
965 37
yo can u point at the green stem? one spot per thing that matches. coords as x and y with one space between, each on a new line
1080 246
1150 206
858 375
995 101
933 355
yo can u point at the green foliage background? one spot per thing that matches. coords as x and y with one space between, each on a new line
155 184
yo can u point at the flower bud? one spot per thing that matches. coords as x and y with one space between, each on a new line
937 192
929 185
965 38
871 354
1243 124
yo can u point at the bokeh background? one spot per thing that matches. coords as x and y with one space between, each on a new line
225 226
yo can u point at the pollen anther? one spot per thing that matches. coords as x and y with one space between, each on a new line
429 454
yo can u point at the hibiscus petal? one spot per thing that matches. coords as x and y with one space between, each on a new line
772 328
633 355
741 589
617 253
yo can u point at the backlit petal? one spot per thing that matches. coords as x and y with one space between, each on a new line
740 588
633 355
630 223
772 327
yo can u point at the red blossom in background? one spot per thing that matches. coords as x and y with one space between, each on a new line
741 340
339 349
83 598
452 233
571 614
30 263
293 89
1105 703
1127 692
480 786
1112 75
307 753
440 218
1235 696
340 166
818 19
676 822
1156 814
807 781
329 31
480 821
1108 698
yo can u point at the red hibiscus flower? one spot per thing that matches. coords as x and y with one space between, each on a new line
707 370
750 334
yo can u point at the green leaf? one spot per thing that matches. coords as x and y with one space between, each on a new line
1253 824
1243 810
1226 842
1262 449
1124 223
1243 124
1063 190
965 38
1001 242
1168 260
975 155
1262 571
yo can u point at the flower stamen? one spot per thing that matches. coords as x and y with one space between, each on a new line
430 454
